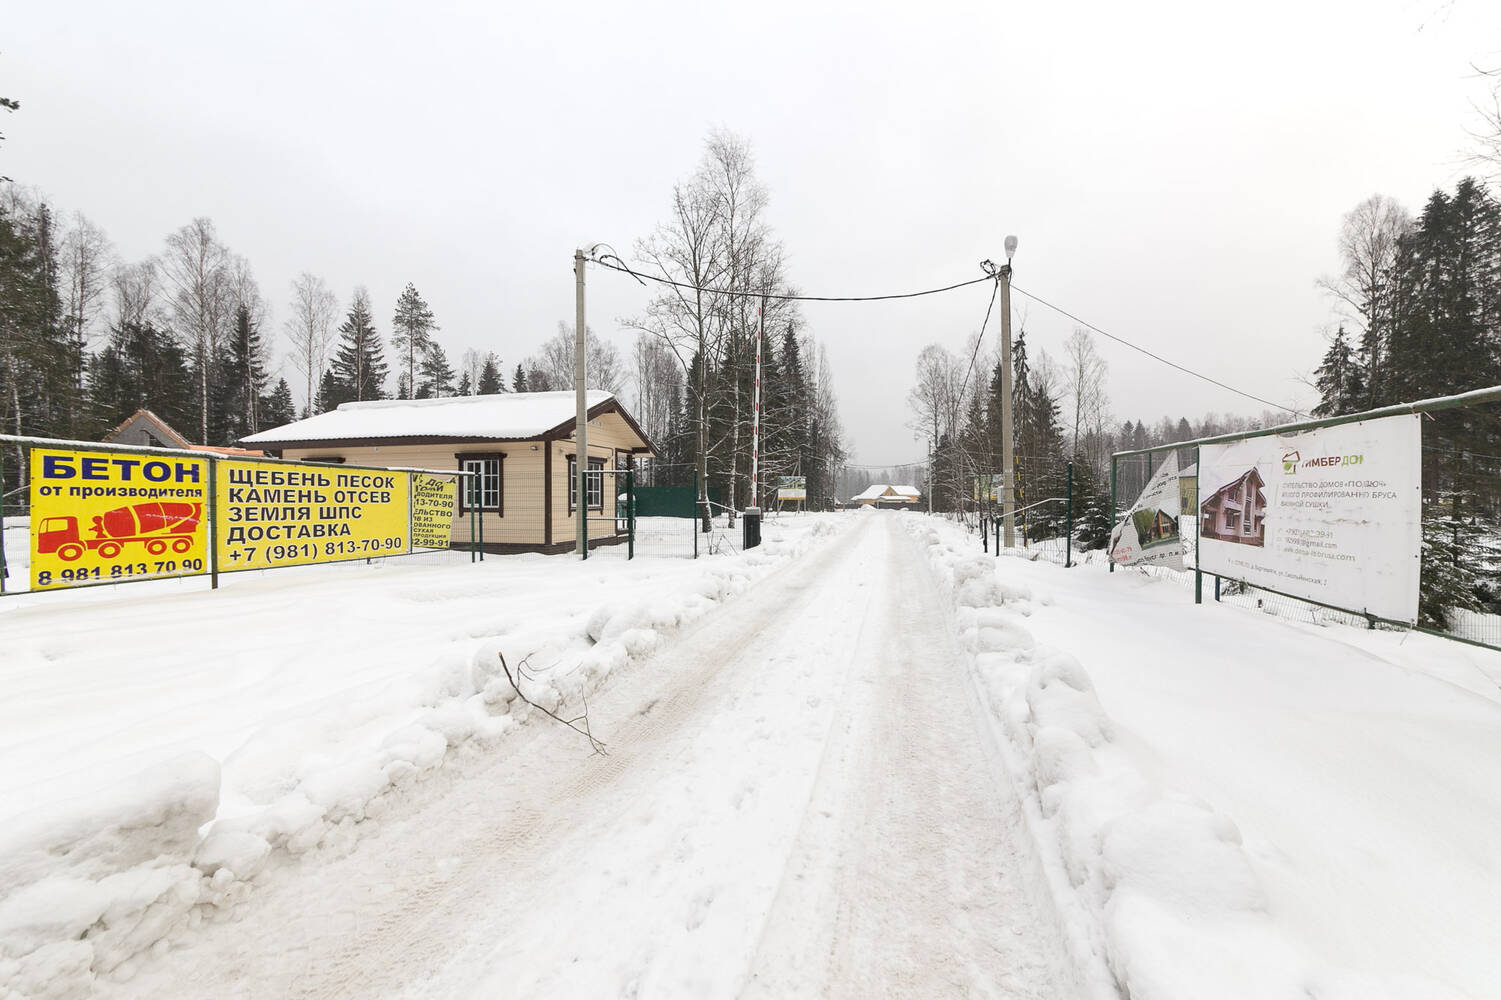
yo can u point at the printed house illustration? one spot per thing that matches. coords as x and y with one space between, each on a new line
1236 512
1154 527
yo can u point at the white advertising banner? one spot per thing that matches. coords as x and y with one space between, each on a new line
1148 534
1333 514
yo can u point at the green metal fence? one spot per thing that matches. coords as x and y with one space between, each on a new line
1460 581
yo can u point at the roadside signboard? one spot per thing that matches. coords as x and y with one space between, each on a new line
1333 514
107 517
792 487
1148 534
433 501
285 514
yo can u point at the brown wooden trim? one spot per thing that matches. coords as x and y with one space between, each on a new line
573 481
608 406
500 494
328 459
556 548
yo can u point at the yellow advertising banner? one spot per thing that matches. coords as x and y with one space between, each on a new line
287 514
98 517
433 501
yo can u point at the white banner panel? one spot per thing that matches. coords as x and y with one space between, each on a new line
1333 515
1148 534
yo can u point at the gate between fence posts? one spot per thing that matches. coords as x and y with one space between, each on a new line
160 513
1389 517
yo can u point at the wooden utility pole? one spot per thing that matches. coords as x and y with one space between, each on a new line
1008 502
581 424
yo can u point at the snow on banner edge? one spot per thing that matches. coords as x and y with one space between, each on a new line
1347 541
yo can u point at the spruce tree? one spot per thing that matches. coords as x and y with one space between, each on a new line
436 374
243 378
518 381
490 381
277 409
360 363
1340 379
466 387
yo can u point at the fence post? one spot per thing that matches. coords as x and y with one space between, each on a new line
3 571
630 514
473 537
1110 529
697 512
984 533
1216 583
1198 572
480 517
1068 519
996 524
213 523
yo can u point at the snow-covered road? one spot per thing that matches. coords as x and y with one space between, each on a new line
799 799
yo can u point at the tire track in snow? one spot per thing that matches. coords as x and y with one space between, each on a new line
911 875
429 891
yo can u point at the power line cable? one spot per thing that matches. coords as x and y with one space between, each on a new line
980 340
639 275
1156 357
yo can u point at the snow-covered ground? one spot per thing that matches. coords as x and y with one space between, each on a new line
865 759
1244 806
160 742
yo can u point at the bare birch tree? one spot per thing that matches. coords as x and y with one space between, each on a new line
1084 377
87 258
1368 244
310 328
194 268
137 292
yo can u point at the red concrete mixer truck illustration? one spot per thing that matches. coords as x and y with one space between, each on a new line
158 526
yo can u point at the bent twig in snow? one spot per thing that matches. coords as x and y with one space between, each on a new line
597 744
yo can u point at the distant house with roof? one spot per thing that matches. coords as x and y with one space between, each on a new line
519 446
886 496
148 430
1236 512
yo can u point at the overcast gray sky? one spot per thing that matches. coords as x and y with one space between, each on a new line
1176 173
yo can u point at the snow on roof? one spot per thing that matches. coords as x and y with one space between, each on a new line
879 490
502 416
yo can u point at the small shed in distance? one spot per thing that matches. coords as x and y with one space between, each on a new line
520 446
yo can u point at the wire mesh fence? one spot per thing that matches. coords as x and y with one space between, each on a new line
1459 475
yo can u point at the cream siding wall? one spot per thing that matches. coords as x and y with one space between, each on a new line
522 520
607 433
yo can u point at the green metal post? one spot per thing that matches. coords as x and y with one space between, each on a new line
630 514
3 570
997 525
1199 573
473 535
1111 528
481 518
984 533
1068 519
694 522
213 523
1216 587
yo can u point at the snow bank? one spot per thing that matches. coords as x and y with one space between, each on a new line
1161 886
233 764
